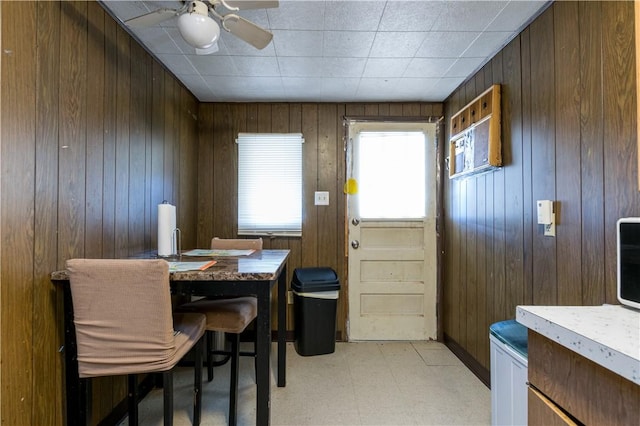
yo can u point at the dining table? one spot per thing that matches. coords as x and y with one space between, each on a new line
253 274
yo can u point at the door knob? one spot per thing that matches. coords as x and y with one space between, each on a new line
355 244
355 221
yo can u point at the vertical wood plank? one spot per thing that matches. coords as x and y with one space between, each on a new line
512 138
18 154
501 310
123 115
206 165
109 141
618 50
45 356
310 166
543 153
157 148
592 153
137 151
73 113
567 95
527 174
327 171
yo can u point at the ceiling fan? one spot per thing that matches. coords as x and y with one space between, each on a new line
200 30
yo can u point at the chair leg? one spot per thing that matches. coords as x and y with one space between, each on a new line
132 399
255 357
197 384
209 335
233 379
167 391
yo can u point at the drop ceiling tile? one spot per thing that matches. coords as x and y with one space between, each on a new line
297 15
377 89
464 67
157 40
468 15
355 44
487 44
127 9
297 43
209 65
428 67
450 44
396 44
196 84
385 67
255 66
339 89
353 15
516 14
302 89
414 89
326 49
443 88
178 64
343 67
300 67
410 15
246 90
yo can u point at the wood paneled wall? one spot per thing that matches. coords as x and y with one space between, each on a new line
94 134
323 228
569 135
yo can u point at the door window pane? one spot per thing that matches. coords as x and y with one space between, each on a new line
390 171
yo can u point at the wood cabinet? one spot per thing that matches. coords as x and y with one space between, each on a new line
566 388
475 144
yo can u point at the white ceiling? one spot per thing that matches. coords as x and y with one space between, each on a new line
340 50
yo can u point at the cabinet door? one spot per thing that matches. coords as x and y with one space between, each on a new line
544 412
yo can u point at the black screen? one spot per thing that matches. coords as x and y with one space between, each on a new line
630 261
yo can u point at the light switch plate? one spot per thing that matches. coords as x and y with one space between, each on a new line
322 198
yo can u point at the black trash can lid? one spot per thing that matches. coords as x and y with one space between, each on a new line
309 280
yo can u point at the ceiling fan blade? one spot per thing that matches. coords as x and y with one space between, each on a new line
152 18
253 4
247 31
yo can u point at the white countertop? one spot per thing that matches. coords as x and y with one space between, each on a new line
608 335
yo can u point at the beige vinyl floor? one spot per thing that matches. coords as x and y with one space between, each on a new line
373 383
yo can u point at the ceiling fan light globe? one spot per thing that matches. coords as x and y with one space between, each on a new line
197 30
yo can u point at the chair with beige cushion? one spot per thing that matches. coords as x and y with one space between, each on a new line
229 315
124 326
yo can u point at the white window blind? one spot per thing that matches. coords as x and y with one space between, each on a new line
270 184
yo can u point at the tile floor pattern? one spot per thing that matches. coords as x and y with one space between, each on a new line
373 383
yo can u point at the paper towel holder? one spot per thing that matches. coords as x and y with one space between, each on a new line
177 239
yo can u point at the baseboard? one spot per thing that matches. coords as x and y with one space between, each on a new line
470 362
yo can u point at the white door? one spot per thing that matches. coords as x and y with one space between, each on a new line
392 231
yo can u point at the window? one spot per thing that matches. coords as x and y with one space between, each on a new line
389 164
270 184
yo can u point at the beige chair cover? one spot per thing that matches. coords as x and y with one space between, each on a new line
123 318
236 244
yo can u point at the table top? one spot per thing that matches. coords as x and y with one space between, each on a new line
608 335
261 265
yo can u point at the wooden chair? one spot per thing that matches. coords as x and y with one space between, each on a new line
229 315
125 326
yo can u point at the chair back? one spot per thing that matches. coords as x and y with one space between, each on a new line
122 315
236 244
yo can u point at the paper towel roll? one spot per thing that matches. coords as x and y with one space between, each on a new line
166 228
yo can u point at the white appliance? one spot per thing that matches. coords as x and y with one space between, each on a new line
508 373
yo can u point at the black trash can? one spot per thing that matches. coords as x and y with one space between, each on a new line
315 300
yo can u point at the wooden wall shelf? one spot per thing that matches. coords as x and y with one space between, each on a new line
475 144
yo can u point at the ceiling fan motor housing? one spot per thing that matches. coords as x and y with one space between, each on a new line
197 28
